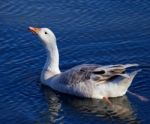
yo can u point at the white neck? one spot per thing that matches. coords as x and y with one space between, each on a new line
51 66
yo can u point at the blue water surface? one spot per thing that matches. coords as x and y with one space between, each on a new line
88 31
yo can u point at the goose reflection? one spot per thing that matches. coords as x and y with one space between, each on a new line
120 109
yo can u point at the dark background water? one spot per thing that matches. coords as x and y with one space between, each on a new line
87 31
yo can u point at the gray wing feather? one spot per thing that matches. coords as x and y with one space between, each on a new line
78 74
94 72
107 72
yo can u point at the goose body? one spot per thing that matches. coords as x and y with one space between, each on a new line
87 80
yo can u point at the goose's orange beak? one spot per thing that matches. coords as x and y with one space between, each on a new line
34 30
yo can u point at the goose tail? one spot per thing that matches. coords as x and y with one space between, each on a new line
134 73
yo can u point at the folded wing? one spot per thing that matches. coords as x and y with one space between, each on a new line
97 73
108 72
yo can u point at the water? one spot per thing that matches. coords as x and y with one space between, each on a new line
102 32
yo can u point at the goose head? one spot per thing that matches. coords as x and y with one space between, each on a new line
46 35
48 39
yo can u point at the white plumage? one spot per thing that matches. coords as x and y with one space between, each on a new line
87 80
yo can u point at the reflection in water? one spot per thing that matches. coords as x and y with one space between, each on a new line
54 106
121 109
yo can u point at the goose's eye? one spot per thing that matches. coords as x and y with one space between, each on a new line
46 33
